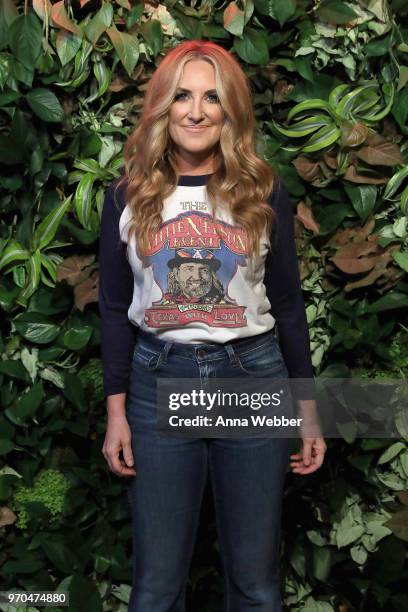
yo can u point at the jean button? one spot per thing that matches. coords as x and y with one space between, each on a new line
200 353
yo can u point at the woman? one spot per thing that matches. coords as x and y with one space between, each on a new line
185 273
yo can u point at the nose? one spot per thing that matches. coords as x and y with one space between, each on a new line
196 111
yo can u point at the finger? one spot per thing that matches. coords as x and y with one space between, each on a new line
121 469
117 464
307 452
305 470
126 471
301 468
128 455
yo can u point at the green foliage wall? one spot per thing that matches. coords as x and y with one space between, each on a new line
330 90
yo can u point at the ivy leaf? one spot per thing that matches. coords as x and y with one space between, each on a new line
363 199
234 19
153 35
25 39
336 12
36 327
99 23
8 12
253 47
126 46
401 259
44 103
67 45
280 10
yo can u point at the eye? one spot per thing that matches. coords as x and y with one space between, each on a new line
179 96
212 97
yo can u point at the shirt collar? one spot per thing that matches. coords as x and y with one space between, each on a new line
193 180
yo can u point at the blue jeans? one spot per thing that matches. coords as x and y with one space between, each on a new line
246 474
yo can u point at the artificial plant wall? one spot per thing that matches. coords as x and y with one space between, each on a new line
330 91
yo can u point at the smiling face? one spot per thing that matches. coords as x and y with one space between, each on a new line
194 279
196 118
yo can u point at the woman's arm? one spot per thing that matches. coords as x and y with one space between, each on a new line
283 289
118 334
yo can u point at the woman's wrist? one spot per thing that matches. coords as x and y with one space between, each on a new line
116 405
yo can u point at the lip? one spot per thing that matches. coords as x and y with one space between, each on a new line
195 129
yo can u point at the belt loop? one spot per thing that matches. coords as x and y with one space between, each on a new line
165 351
231 353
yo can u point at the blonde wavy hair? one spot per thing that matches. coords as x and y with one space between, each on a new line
241 179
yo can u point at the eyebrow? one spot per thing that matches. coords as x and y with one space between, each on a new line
189 91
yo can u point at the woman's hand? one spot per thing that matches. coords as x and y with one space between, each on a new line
310 457
118 437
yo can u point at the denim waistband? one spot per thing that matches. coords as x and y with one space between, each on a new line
191 350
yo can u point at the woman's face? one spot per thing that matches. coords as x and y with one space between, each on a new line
196 116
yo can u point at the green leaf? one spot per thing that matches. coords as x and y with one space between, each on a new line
280 10
25 37
378 46
87 165
67 45
13 252
76 338
404 201
321 139
83 199
313 104
393 299
44 103
322 558
363 198
253 47
47 229
103 78
74 391
127 48
35 327
374 116
8 13
353 99
335 12
6 446
401 259
83 594
30 563
395 182
58 553
134 15
99 23
28 403
304 126
33 278
400 107
14 368
391 452
153 35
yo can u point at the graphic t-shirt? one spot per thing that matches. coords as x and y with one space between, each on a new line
197 283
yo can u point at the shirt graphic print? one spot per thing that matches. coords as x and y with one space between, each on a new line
193 262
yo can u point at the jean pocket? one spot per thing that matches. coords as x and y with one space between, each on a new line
146 358
264 360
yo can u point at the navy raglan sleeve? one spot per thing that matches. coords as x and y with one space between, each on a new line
118 334
283 289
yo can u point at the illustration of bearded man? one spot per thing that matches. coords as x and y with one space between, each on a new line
192 278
